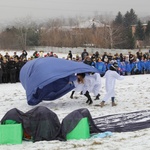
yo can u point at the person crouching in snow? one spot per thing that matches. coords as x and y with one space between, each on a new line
111 75
78 83
96 85
81 86
86 84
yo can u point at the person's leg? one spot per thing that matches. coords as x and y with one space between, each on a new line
102 104
71 96
113 101
97 97
107 96
96 91
89 101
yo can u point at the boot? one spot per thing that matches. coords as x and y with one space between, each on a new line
71 96
89 101
97 97
113 101
102 104
114 104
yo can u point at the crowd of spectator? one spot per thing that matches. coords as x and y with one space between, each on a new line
129 64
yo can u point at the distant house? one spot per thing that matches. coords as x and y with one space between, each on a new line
134 28
89 24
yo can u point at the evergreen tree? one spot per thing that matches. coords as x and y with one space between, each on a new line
119 19
139 33
32 37
123 23
147 31
129 39
130 18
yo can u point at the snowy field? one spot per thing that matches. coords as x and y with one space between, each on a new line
132 94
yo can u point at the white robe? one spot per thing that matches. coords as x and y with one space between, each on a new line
78 86
92 84
111 77
96 85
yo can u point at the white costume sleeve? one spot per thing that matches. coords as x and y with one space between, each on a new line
78 86
111 77
88 83
117 76
97 85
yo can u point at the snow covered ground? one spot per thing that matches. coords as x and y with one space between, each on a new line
132 94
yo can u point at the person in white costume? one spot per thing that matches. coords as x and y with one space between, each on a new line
88 83
95 85
79 83
111 76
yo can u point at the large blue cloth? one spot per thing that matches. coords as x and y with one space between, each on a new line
48 78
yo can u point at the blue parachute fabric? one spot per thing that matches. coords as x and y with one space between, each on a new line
48 78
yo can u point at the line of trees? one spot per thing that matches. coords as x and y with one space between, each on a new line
128 36
117 33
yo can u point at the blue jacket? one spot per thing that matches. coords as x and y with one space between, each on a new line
123 67
128 67
101 67
148 65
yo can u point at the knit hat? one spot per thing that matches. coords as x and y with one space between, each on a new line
115 65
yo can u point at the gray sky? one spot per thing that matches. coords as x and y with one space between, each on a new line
42 9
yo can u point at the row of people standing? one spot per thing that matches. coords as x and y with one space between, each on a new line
10 67
127 64
125 67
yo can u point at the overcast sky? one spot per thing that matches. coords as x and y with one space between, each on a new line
16 9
